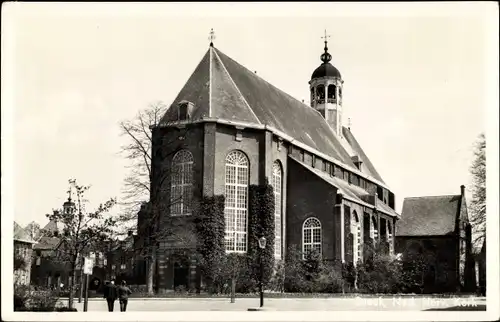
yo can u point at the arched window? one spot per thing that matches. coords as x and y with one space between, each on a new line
332 95
373 229
320 94
182 183
311 236
236 193
277 184
356 231
390 237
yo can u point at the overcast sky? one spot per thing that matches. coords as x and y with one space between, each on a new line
414 84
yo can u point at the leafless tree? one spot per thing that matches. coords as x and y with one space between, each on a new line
82 231
148 183
478 202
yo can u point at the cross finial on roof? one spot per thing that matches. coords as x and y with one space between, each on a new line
349 123
212 37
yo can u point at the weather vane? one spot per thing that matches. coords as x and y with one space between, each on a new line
212 37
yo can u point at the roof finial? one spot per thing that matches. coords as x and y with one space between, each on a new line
326 57
212 37
69 193
349 123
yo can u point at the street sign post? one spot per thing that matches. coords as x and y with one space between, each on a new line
88 265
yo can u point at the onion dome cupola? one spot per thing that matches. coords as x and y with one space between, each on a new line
326 91
69 206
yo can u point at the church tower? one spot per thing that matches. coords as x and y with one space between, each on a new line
326 91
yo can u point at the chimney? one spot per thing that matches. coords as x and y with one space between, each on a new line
462 190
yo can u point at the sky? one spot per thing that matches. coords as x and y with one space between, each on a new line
414 84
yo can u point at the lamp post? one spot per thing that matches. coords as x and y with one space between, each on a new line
262 245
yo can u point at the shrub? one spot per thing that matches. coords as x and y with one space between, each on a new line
21 296
277 282
294 280
380 274
41 300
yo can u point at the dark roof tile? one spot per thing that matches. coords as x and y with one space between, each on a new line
428 216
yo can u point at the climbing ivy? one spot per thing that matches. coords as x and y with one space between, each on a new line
261 223
210 230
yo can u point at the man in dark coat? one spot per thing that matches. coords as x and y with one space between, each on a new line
110 294
123 293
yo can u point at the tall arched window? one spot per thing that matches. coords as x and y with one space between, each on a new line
373 229
182 183
332 95
236 203
356 231
390 237
311 236
277 184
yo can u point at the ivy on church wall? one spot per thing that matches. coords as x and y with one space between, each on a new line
261 223
210 230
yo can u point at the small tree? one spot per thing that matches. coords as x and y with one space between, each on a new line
83 231
478 202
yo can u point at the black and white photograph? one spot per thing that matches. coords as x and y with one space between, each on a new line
238 161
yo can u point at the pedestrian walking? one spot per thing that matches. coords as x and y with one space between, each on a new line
123 293
110 293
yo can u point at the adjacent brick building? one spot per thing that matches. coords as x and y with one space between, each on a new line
228 129
437 228
23 249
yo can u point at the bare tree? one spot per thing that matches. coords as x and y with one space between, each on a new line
82 231
138 150
478 202
148 183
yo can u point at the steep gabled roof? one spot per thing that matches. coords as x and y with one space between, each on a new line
21 235
429 216
368 166
221 88
52 227
47 243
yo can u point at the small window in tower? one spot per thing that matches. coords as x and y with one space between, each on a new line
320 94
332 93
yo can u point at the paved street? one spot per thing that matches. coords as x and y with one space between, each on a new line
331 304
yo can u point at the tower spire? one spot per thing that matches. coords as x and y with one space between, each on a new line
326 57
211 37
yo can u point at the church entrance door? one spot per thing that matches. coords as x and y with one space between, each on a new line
181 273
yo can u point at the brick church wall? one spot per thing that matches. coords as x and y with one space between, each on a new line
310 196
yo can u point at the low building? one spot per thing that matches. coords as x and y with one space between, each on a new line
124 261
437 230
23 249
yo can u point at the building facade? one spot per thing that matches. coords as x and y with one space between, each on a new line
437 229
228 129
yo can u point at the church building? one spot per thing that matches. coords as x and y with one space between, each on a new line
228 128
